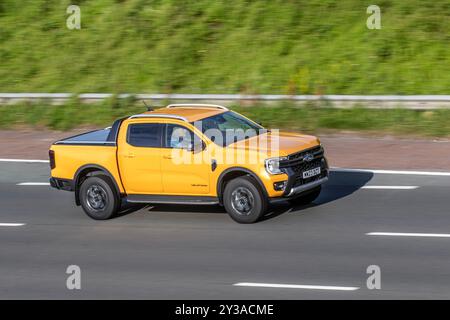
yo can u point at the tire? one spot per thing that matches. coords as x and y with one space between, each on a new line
98 198
244 200
307 198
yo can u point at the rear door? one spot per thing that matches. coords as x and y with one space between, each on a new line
139 156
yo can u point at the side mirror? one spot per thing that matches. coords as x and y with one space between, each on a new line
197 146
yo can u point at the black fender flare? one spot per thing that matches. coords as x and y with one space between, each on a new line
238 169
92 167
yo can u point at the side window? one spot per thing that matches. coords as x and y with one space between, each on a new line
144 135
178 137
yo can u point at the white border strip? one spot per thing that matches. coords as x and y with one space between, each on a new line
404 234
416 173
293 286
24 160
12 224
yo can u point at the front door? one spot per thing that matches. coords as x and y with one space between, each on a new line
184 171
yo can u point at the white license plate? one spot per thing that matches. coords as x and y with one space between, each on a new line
311 173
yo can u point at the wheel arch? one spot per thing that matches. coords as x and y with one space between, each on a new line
91 170
235 172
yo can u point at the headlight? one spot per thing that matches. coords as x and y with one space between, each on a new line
273 165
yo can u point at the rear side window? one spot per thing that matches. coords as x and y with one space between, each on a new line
145 135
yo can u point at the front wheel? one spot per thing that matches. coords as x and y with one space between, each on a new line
244 201
98 198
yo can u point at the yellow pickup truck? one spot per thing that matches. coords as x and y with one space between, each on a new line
188 154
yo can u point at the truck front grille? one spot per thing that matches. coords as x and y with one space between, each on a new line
317 152
299 181
298 165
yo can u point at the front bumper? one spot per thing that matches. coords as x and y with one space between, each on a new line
298 191
296 185
295 191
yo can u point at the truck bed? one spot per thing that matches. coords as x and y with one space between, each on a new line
96 137
97 147
107 136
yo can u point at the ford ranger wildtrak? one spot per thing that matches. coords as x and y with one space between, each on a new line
188 154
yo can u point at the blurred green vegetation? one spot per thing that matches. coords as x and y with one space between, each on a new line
309 118
313 119
222 46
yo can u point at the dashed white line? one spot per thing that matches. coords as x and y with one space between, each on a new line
11 224
391 187
33 184
417 173
293 286
24 160
406 234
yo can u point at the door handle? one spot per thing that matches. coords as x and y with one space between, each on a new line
130 155
167 157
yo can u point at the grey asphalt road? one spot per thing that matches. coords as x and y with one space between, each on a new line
185 252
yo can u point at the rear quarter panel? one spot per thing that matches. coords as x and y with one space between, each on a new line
70 158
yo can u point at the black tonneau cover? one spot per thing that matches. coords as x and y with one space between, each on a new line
105 137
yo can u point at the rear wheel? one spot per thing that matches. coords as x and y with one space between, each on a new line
307 198
98 198
244 201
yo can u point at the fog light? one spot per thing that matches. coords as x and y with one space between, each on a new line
280 186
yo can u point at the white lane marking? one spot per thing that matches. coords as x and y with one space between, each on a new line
24 160
293 286
33 184
11 224
391 187
406 234
414 173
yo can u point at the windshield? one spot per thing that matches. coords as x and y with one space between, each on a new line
229 127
